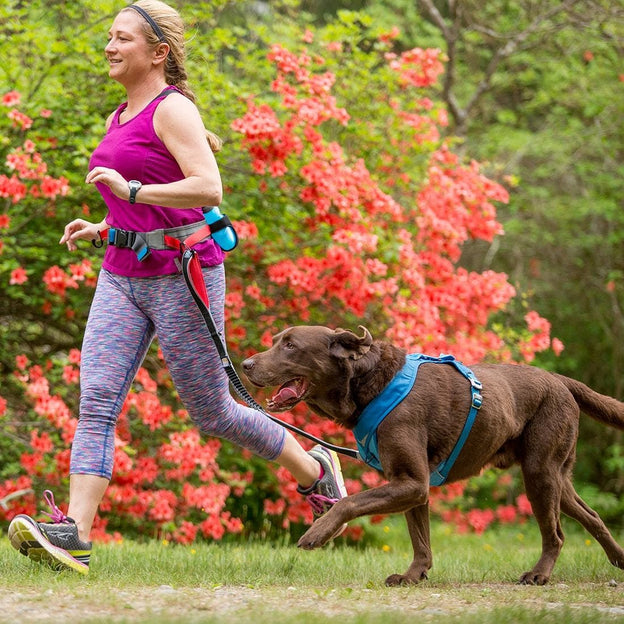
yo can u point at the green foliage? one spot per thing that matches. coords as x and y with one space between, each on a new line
549 121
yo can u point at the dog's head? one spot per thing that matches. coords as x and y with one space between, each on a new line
313 364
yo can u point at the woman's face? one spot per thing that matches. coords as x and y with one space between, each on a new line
128 53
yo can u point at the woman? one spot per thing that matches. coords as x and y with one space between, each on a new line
155 169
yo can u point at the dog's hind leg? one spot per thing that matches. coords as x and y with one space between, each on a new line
575 507
546 452
544 494
418 526
541 463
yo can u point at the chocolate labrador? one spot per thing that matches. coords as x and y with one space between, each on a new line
527 416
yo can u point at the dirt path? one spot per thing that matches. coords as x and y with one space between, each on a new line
230 604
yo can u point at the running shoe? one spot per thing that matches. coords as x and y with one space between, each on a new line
329 488
54 543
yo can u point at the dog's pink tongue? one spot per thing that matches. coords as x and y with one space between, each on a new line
285 394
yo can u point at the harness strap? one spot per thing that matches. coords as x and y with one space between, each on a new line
441 471
365 430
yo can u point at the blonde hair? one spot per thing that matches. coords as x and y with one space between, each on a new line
172 27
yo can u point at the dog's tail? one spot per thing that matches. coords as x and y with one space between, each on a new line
600 407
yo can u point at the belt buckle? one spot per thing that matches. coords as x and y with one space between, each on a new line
121 238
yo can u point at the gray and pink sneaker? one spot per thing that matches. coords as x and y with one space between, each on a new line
327 490
54 543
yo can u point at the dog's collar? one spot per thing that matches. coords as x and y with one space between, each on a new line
365 430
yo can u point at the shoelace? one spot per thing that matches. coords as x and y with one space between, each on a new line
319 503
57 516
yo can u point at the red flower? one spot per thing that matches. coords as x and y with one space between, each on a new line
185 533
524 506
212 527
480 519
274 508
506 514
18 276
20 120
12 98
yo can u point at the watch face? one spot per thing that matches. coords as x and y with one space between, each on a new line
134 186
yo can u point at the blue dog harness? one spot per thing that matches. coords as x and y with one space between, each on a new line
365 430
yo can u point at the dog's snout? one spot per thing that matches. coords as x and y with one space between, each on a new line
248 364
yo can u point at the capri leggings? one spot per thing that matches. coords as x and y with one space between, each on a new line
125 315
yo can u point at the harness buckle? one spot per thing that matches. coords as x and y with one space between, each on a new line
477 400
476 384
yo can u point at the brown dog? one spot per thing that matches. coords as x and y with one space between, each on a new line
528 416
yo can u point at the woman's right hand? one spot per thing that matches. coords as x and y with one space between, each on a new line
79 229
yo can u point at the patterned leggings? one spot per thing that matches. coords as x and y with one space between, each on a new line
125 315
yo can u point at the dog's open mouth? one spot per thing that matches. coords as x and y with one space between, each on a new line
288 395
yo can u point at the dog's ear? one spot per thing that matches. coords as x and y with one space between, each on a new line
345 344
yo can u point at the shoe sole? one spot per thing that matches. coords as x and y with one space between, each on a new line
337 470
26 537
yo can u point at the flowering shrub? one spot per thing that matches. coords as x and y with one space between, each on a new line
374 207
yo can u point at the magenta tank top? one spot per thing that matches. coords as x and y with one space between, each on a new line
135 151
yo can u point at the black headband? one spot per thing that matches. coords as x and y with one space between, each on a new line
150 21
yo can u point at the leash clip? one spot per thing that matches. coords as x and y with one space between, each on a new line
99 242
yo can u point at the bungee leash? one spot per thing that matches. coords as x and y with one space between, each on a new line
191 269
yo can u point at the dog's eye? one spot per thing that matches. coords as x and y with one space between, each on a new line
289 345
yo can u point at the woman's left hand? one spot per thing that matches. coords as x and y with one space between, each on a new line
111 178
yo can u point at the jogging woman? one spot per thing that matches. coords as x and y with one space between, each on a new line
155 168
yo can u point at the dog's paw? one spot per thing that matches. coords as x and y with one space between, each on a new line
322 531
531 578
309 542
313 538
401 580
318 535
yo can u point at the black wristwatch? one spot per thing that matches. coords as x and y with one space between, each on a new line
134 186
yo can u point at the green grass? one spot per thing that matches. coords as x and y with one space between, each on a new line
473 581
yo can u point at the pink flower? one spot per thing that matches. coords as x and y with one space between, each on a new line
74 356
20 120
523 504
18 276
557 346
506 514
480 519
12 98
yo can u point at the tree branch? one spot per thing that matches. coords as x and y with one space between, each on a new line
451 32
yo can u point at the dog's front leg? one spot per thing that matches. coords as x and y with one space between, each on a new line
418 526
398 495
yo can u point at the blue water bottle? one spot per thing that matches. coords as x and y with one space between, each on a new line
221 228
